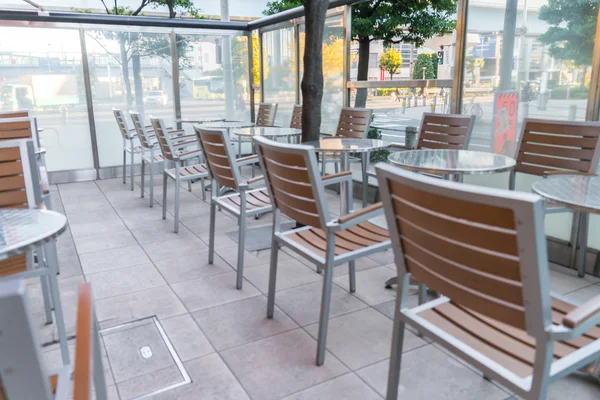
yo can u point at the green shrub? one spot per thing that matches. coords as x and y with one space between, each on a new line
575 92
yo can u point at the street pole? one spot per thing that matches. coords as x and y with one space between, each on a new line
508 44
227 67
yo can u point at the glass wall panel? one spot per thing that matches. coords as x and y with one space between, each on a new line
279 79
526 59
40 70
129 70
333 70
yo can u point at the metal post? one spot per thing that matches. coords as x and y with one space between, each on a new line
297 61
175 76
593 103
251 74
262 66
459 59
227 67
508 44
89 102
347 40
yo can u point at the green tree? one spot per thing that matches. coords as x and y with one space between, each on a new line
572 29
391 61
392 21
427 61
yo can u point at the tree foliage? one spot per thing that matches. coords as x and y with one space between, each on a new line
427 61
277 6
572 29
391 61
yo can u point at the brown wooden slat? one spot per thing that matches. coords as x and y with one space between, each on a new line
15 134
360 121
297 215
262 197
15 197
576 165
438 146
341 245
355 112
506 312
502 241
357 240
10 154
447 120
570 141
447 128
309 245
566 152
561 308
450 139
374 228
15 125
503 289
13 182
284 158
299 203
367 234
13 265
533 169
518 367
289 173
456 208
295 188
217 149
563 128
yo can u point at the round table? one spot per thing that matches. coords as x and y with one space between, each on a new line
452 162
24 229
198 121
580 193
345 146
269 132
228 125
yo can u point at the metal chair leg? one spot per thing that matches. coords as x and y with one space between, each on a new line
46 296
131 166
396 357
323 164
583 235
241 241
203 187
390 282
211 232
143 174
574 241
325 299
364 164
177 191
164 202
352 276
272 278
151 180
124 166
52 265
189 186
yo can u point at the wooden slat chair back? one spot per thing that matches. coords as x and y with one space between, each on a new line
445 131
16 128
484 250
14 114
219 156
164 141
296 121
294 181
18 172
266 114
354 123
21 355
142 134
122 123
558 146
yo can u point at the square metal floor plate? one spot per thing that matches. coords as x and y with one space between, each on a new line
259 238
142 359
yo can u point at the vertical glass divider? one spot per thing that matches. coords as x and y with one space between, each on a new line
459 57
593 103
297 60
175 76
89 102
262 67
347 20
251 75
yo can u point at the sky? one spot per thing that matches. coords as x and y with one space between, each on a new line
241 8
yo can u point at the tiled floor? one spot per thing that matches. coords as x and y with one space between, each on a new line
139 268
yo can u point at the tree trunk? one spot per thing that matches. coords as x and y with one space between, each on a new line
364 47
312 81
125 70
137 82
508 45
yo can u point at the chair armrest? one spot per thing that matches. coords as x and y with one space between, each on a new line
326 135
583 313
185 143
373 208
40 151
553 173
255 182
41 206
247 160
398 146
336 178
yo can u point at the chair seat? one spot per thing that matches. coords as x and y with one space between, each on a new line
189 172
13 265
255 200
511 347
355 238
157 158
136 149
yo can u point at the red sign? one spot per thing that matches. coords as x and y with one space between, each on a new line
381 75
506 106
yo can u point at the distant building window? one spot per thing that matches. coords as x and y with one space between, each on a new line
373 60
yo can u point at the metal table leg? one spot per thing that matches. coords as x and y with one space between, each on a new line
344 206
583 239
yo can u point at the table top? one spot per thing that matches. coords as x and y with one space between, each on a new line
348 145
456 162
574 191
198 121
267 131
228 125
23 229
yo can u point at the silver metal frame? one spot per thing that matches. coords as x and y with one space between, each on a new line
217 199
329 225
529 210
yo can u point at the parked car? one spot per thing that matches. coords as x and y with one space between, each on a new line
155 97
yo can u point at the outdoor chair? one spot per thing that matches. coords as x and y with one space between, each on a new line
172 148
149 143
129 135
549 147
264 117
296 121
250 199
18 189
484 250
24 127
23 371
297 190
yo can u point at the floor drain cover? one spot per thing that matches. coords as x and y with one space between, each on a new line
142 359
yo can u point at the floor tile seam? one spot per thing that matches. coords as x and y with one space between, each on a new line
137 264
327 381
72 239
200 277
581 288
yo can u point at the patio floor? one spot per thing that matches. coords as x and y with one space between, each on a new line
139 268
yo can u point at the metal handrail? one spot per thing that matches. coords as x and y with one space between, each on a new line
409 83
